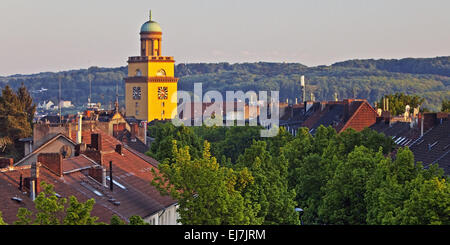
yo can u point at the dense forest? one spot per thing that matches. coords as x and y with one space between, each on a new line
369 79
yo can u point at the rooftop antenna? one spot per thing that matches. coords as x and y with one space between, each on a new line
117 96
302 84
59 99
90 88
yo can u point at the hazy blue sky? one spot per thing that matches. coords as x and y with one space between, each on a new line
53 35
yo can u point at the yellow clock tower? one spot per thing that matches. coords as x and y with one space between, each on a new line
151 85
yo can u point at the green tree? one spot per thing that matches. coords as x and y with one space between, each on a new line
445 107
14 121
399 101
207 193
27 103
51 210
429 203
1 220
270 189
79 213
137 220
236 140
165 133
343 200
115 220
24 217
402 192
49 207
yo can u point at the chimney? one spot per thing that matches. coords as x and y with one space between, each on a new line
20 183
115 130
80 122
34 172
99 174
302 84
346 109
32 190
145 131
77 149
134 130
119 149
429 120
95 155
52 161
96 141
111 183
6 162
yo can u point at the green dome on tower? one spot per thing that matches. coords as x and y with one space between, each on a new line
151 26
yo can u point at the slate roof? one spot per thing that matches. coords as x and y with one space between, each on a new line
434 146
401 132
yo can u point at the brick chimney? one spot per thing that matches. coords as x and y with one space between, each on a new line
99 174
94 155
119 149
134 130
80 148
79 128
347 103
96 141
429 120
6 162
52 161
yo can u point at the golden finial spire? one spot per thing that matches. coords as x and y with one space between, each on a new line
150 15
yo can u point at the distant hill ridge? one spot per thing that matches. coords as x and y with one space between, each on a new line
369 79
437 66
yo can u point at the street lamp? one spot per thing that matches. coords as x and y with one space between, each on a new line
300 213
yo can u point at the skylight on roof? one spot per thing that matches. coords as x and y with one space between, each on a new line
401 141
92 189
117 183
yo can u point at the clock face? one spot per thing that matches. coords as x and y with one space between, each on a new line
162 93
137 93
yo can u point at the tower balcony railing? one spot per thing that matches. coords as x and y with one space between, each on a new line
150 58
137 79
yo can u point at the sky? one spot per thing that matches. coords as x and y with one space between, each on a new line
56 35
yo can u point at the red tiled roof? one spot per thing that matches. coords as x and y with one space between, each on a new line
361 117
356 114
9 182
131 170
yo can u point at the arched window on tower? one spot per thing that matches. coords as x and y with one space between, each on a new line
138 72
161 73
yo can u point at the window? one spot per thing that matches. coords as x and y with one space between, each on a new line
161 73
138 72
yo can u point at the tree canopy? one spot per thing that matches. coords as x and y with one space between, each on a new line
348 178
